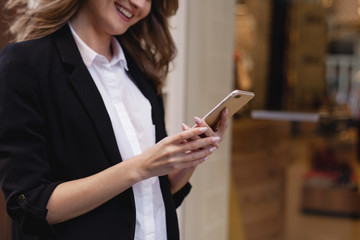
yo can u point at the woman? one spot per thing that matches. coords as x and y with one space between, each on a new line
83 147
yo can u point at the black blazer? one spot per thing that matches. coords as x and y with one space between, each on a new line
54 127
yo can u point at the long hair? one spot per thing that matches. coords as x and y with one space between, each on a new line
149 41
40 19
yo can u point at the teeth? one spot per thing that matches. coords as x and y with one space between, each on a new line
124 11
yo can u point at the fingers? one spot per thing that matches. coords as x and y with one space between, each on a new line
201 123
180 144
214 142
195 163
195 148
176 152
201 143
187 134
209 132
186 127
224 123
193 158
194 145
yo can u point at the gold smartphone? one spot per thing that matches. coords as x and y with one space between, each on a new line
234 102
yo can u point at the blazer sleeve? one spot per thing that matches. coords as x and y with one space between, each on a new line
24 165
180 195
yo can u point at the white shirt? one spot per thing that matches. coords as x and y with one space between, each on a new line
130 114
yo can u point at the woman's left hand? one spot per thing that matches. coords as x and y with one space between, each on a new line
179 178
220 132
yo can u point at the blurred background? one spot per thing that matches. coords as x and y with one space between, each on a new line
295 161
289 167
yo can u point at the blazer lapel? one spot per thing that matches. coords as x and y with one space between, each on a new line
87 91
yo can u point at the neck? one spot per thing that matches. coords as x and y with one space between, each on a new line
97 41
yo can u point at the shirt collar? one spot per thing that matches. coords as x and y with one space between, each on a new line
118 54
88 55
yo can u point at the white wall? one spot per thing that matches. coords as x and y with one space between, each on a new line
202 76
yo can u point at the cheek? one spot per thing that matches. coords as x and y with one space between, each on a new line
143 15
147 10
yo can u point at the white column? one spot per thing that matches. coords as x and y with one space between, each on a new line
175 86
202 76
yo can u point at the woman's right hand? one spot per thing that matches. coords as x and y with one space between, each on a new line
175 153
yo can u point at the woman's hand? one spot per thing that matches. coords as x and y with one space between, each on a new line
180 177
220 132
175 152
75 198
175 155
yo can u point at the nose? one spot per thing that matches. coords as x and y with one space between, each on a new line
137 3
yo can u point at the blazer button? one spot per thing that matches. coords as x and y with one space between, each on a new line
21 197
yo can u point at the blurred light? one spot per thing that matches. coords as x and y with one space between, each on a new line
327 3
242 10
32 4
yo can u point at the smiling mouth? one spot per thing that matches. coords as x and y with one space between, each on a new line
123 11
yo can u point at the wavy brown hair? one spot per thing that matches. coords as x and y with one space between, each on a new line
149 41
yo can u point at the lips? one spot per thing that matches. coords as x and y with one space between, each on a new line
124 11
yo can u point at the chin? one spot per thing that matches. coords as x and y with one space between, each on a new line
120 31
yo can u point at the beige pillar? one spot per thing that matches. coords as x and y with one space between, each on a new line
206 72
